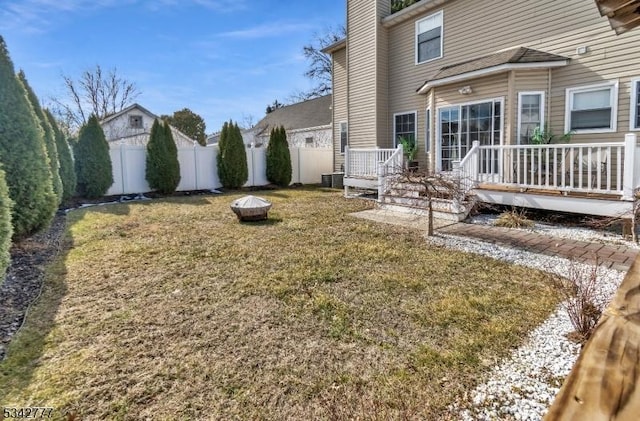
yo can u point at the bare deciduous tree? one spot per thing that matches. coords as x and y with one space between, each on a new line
432 185
319 62
95 92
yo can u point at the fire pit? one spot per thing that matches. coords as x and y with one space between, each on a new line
251 208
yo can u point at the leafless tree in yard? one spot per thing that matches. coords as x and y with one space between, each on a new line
432 186
94 92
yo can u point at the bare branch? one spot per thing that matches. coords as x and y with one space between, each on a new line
320 65
432 186
94 92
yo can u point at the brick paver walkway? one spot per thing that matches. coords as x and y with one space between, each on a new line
619 257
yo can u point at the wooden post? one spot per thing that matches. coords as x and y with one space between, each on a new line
630 173
603 384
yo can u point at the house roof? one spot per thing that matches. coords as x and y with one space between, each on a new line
514 58
311 113
144 110
338 45
623 15
126 110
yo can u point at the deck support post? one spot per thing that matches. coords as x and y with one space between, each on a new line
346 169
381 180
630 171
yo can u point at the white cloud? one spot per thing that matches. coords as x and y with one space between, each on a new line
267 30
38 15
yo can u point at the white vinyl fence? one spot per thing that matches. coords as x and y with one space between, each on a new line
199 171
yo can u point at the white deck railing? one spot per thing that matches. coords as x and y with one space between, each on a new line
393 165
363 163
611 167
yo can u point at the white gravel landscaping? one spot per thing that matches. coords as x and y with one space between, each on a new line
524 385
574 233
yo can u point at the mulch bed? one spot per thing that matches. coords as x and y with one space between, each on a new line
25 274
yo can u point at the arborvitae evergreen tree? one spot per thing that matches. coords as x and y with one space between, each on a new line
23 154
279 158
163 167
49 139
232 157
6 230
66 170
92 161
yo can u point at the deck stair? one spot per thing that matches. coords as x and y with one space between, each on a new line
410 198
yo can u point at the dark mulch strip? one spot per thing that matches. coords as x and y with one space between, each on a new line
24 278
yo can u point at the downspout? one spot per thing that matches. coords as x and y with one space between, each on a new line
548 110
432 130
511 110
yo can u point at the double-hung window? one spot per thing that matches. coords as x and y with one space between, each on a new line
635 105
344 134
530 115
429 34
592 109
404 127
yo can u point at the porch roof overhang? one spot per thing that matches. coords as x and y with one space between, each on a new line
623 15
336 46
520 58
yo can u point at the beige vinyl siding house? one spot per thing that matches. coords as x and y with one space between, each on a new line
522 64
383 75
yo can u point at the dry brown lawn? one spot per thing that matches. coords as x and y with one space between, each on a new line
172 309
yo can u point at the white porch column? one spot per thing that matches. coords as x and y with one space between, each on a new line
630 169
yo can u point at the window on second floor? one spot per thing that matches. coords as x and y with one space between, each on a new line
429 34
635 104
135 121
592 109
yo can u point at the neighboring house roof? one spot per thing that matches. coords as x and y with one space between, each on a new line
520 57
311 113
623 15
213 138
126 110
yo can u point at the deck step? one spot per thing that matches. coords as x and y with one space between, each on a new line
445 209
422 211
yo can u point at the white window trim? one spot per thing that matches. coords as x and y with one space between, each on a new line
632 108
340 135
613 84
415 38
501 100
415 128
542 114
427 129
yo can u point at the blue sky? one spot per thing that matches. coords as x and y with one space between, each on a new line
221 58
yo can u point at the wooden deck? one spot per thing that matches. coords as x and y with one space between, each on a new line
591 203
605 382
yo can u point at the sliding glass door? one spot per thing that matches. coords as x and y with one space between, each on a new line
461 125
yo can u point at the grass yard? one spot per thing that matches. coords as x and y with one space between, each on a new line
172 309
